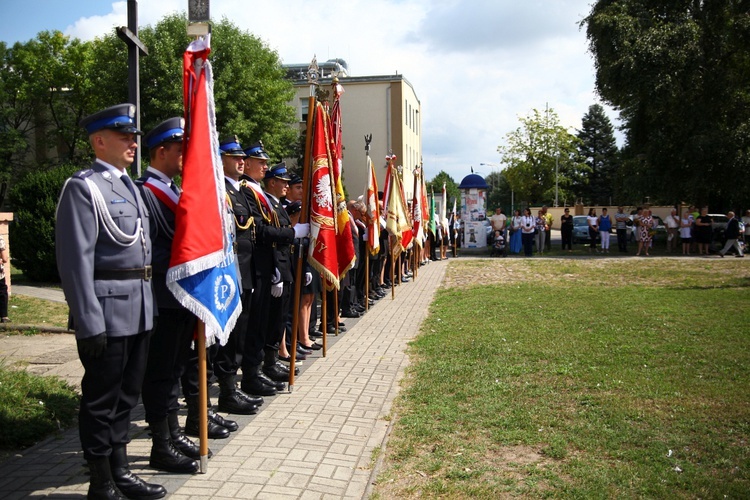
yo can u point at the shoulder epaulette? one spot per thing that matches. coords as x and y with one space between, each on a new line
82 174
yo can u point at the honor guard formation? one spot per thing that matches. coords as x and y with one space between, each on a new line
114 241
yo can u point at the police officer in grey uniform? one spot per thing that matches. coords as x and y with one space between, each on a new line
103 254
169 348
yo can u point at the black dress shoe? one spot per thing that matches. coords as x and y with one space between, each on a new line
128 483
317 334
229 425
187 447
301 350
314 346
351 314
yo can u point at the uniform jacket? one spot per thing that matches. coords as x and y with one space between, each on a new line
245 237
267 235
283 252
82 245
161 242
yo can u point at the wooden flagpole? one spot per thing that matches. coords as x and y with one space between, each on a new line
368 139
312 79
202 397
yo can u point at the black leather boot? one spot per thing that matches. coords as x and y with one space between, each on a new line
230 401
164 455
278 386
183 443
252 384
273 369
253 400
128 483
101 485
229 425
193 419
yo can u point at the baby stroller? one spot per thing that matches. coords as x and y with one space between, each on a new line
498 247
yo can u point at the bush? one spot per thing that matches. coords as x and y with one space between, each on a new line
32 233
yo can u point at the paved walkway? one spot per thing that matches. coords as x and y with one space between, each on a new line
317 442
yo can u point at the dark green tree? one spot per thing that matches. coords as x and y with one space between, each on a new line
451 188
598 149
679 72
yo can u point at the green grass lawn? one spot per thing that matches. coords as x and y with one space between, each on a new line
578 378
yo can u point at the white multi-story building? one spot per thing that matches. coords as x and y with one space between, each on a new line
385 106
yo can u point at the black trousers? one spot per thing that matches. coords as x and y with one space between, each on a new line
257 327
622 240
168 354
567 237
277 313
228 358
110 389
3 298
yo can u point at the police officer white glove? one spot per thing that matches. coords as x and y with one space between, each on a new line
308 278
277 289
276 276
301 230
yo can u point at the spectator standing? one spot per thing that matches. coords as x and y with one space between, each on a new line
703 233
746 222
686 229
593 222
732 234
498 220
566 230
645 225
637 225
4 290
605 226
673 226
515 240
528 226
549 219
541 231
621 226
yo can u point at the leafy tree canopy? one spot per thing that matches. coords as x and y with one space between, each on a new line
451 188
541 156
598 149
679 72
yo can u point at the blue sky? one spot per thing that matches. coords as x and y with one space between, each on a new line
21 20
476 65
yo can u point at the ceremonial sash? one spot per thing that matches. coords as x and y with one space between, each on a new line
162 192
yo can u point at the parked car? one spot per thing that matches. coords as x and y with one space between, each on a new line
581 230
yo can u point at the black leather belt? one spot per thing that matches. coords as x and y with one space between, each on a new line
140 273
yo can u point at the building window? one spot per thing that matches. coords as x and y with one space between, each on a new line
304 107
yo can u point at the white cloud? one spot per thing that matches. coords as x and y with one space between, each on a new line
475 65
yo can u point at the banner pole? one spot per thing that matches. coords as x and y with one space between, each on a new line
202 396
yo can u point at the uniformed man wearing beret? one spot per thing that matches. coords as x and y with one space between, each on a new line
268 280
103 254
171 451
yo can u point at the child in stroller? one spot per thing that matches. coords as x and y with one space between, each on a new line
498 245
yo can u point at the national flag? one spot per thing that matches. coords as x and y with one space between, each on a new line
373 209
443 208
322 256
416 208
202 272
396 221
344 245
432 213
